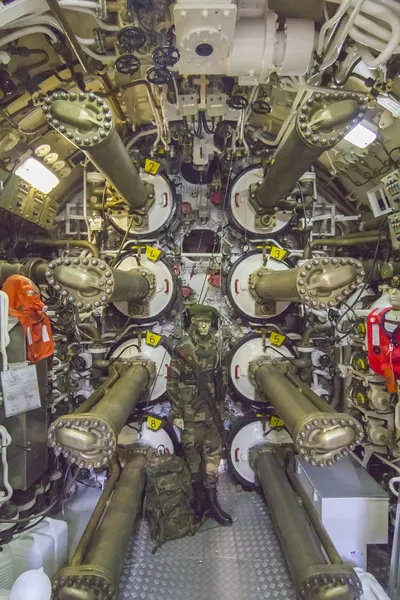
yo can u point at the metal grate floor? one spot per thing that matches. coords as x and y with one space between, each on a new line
242 562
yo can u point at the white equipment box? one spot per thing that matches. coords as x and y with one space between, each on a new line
350 503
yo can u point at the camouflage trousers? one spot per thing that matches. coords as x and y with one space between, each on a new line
201 444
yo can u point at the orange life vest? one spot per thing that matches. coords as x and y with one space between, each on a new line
26 305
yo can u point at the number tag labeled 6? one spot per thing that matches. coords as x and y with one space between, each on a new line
153 423
276 339
277 253
153 339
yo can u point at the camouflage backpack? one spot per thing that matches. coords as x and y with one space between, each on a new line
168 498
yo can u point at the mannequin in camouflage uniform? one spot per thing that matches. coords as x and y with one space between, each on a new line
200 431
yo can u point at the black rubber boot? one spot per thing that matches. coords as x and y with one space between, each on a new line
214 510
198 503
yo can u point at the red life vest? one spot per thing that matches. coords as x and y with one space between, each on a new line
26 305
383 347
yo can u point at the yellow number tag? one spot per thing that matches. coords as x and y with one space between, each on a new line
361 398
276 422
151 166
152 339
152 253
277 253
276 339
153 423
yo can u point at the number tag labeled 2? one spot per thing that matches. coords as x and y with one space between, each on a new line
276 339
276 422
153 423
277 253
153 339
151 166
152 253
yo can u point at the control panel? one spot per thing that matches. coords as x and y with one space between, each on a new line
25 201
394 228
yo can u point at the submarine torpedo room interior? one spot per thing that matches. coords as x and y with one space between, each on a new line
200 303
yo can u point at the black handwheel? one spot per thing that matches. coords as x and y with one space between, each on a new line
238 102
261 107
158 75
127 64
166 56
131 38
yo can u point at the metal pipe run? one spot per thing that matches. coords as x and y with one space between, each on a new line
70 35
91 283
319 283
84 244
293 159
318 526
83 546
86 121
90 438
321 123
321 436
103 546
345 241
312 576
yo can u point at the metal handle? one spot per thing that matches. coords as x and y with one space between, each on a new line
236 200
166 286
165 194
237 286
237 455
237 375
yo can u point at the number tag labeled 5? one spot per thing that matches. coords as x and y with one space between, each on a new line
277 253
276 339
153 423
153 339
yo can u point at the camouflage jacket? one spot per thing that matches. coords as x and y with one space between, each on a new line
186 400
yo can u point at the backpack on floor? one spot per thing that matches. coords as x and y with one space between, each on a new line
168 498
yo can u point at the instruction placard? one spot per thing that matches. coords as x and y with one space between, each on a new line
20 390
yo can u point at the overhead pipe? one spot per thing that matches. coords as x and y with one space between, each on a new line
321 435
71 37
95 568
322 121
84 244
312 576
86 121
90 438
348 240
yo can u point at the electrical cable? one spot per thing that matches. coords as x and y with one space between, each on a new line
52 505
116 257
384 222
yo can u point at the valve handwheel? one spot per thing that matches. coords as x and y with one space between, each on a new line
166 56
261 107
127 64
131 38
238 102
158 75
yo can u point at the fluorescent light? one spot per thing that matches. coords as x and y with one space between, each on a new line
39 176
361 135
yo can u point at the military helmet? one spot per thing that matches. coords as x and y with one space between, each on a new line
203 311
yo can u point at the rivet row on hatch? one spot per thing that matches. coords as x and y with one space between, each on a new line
306 445
306 294
81 303
106 442
313 137
104 126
